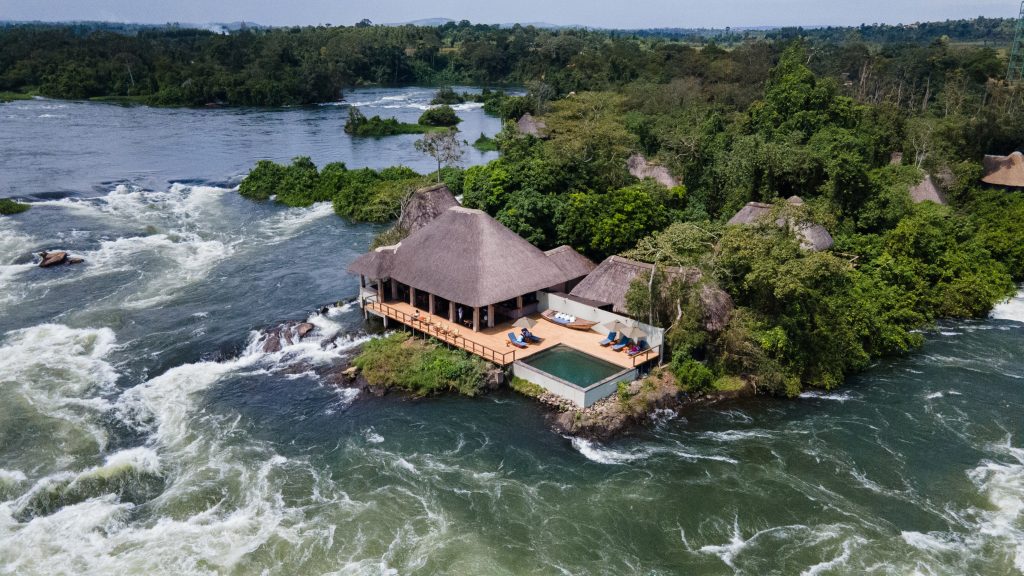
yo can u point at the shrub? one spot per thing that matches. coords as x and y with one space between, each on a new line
447 96
263 181
527 388
8 207
439 116
692 376
299 184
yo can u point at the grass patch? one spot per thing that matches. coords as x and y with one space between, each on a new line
485 144
8 207
420 367
729 384
12 96
526 388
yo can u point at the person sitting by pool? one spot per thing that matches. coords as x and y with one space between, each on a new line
529 337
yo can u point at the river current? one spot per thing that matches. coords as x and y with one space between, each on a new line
143 432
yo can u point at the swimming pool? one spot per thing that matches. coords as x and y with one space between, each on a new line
573 366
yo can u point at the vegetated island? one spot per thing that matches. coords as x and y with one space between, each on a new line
840 216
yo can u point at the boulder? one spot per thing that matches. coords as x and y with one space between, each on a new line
304 328
76 260
52 258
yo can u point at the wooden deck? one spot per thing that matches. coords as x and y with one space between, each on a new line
492 344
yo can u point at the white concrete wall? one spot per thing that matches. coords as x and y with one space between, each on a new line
655 336
578 396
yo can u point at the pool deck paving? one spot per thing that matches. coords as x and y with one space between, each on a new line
495 340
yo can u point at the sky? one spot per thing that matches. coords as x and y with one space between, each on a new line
596 13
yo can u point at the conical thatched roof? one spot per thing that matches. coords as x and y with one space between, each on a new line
530 125
571 262
424 205
927 191
1007 171
609 282
640 168
375 263
812 236
468 257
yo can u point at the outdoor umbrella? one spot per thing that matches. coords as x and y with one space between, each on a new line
633 332
524 322
614 326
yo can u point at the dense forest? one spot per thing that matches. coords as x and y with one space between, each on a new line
817 114
279 66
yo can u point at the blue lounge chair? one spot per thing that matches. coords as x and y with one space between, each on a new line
641 348
516 341
529 338
609 339
622 344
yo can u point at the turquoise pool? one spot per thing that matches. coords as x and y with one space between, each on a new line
572 365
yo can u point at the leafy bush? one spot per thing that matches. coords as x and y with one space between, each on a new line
485 144
442 115
299 185
8 207
422 368
692 375
359 125
263 181
447 96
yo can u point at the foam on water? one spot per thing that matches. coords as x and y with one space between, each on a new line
70 385
1012 309
604 455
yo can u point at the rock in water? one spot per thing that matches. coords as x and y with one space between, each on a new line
52 258
76 260
304 328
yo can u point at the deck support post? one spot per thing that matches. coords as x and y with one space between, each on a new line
380 290
362 281
394 289
451 312
430 303
476 318
519 302
412 296
490 315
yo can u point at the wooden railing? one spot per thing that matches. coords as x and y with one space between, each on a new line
435 331
646 356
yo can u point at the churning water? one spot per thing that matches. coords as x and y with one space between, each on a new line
143 429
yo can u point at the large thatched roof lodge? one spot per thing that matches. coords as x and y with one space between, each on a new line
464 278
1004 171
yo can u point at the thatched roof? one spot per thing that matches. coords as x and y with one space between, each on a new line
812 236
927 191
571 262
609 282
1007 171
716 305
530 125
640 168
424 205
375 263
468 257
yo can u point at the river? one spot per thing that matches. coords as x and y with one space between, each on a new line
141 432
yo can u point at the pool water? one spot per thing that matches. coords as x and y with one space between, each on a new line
573 366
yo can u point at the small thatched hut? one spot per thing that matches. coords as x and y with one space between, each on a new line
812 236
927 191
463 259
640 168
1004 171
531 126
609 282
423 205
573 264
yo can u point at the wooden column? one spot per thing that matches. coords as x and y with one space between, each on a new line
412 296
362 281
451 312
490 315
380 290
394 289
519 302
430 303
476 318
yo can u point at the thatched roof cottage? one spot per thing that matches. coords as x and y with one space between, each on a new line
640 168
1004 171
812 236
927 191
531 126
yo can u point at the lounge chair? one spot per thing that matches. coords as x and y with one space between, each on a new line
516 341
622 344
641 347
609 339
